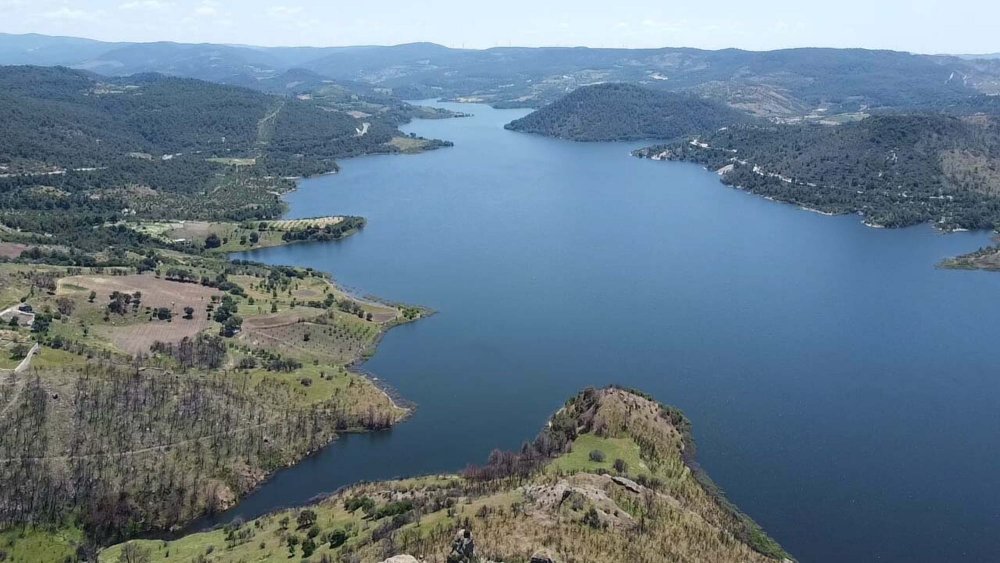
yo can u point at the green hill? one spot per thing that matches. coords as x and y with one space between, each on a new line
896 170
79 150
620 112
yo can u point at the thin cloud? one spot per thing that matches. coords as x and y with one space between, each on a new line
70 14
207 8
284 11
148 5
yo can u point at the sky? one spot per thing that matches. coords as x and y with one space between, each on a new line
923 26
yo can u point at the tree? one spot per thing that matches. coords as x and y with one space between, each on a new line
620 465
213 241
188 313
41 323
93 296
232 326
597 456
306 518
133 553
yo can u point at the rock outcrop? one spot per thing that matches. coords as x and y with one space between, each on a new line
463 548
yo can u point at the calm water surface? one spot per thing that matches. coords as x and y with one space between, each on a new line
844 391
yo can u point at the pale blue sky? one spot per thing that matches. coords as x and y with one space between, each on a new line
926 26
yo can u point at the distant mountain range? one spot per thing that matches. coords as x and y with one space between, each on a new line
781 83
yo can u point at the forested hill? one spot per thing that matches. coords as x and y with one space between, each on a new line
79 150
896 170
619 112
68 119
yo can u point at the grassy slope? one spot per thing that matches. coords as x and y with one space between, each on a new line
573 509
292 412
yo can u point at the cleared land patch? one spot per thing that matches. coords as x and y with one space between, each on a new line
155 292
11 249
137 339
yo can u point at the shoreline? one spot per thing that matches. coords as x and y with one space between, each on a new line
396 399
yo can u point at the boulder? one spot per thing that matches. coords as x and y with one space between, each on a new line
463 549
628 484
402 559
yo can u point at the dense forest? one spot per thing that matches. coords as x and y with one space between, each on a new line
895 169
619 112
80 151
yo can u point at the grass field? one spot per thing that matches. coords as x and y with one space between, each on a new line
234 161
408 144
234 236
612 449
36 545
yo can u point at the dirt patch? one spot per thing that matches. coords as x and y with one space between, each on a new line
155 292
11 249
136 339
191 230
276 320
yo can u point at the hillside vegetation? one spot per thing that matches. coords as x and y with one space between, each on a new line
145 380
155 397
622 112
80 151
895 169
609 479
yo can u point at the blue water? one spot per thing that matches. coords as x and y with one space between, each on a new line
843 390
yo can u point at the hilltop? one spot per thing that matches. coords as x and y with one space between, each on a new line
609 479
622 112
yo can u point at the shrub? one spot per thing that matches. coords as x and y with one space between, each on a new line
308 547
597 456
364 502
337 538
620 465
592 518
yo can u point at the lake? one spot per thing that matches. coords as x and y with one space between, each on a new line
843 390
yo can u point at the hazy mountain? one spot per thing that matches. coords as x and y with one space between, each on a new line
46 50
772 83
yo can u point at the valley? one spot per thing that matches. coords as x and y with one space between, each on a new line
193 365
